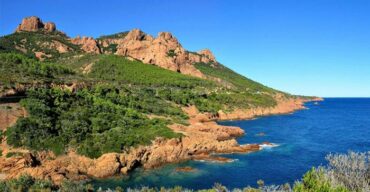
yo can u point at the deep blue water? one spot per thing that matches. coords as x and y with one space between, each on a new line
304 138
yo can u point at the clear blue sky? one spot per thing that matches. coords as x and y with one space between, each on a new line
308 47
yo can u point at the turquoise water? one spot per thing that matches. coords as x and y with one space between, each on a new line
304 138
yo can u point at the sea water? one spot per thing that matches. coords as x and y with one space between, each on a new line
304 138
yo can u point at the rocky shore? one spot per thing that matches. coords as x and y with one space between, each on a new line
203 138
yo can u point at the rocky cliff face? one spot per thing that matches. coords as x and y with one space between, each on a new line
88 44
35 24
164 51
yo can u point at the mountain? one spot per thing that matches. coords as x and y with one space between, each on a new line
74 108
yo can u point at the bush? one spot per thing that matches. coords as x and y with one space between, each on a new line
351 170
94 121
316 180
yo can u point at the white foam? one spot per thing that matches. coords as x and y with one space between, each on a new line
268 146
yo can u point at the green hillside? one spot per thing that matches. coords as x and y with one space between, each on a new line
30 42
116 104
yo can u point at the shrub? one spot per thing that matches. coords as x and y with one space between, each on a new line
351 170
316 180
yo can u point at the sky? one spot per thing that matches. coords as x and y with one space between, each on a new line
305 47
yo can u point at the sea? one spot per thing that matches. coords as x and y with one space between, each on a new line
303 139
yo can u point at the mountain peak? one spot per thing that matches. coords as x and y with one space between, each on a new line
34 23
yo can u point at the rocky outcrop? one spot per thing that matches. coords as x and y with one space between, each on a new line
56 45
88 44
208 54
34 24
50 27
107 165
164 51
41 55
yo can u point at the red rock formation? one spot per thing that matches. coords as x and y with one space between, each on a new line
208 54
89 44
34 24
164 51
30 24
50 27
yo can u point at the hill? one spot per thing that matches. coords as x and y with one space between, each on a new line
146 99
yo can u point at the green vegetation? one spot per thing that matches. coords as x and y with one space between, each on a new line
345 173
17 68
13 154
231 78
315 180
113 36
113 100
26 183
110 110
29 42
171 53
118 69
179 88
111 48
94 121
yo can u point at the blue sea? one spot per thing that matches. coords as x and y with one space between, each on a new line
304 138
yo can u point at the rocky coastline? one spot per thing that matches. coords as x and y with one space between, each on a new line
203 139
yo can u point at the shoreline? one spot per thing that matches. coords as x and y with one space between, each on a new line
203 139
